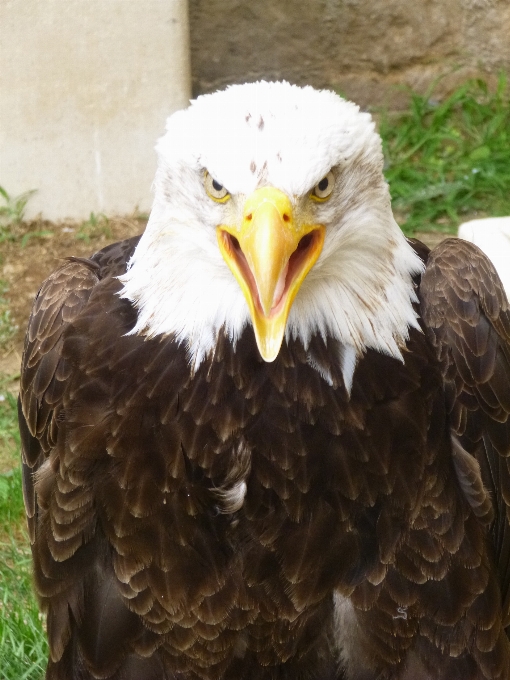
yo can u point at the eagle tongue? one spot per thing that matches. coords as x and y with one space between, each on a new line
280 288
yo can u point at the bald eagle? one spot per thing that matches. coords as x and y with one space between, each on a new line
269 439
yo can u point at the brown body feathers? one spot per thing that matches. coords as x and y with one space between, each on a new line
259 520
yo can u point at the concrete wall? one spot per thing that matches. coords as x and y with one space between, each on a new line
360 47
85 88
86 85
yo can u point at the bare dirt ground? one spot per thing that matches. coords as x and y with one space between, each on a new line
38 250
24 268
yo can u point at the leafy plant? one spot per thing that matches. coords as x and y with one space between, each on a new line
29 235
449 161
11 213
96 225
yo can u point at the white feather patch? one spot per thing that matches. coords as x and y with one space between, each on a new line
359 292
231 492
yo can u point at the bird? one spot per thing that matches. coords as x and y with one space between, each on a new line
269 438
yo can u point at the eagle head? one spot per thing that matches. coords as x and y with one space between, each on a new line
271 208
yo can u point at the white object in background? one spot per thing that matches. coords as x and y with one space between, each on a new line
86 90
492 235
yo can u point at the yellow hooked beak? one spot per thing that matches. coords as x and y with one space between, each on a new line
270 256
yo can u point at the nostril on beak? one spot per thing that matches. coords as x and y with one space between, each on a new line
249 217
286 218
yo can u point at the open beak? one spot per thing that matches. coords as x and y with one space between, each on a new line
270 256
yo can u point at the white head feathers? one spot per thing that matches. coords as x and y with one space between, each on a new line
247 136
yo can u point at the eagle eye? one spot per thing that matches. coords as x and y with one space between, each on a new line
322 190
215 190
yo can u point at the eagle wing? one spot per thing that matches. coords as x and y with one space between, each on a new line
44 371
467 319
61 516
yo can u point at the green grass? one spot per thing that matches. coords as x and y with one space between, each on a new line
9 433
23 647
96 225
449 161
7 327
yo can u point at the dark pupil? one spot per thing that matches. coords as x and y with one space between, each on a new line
323 184
217 186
